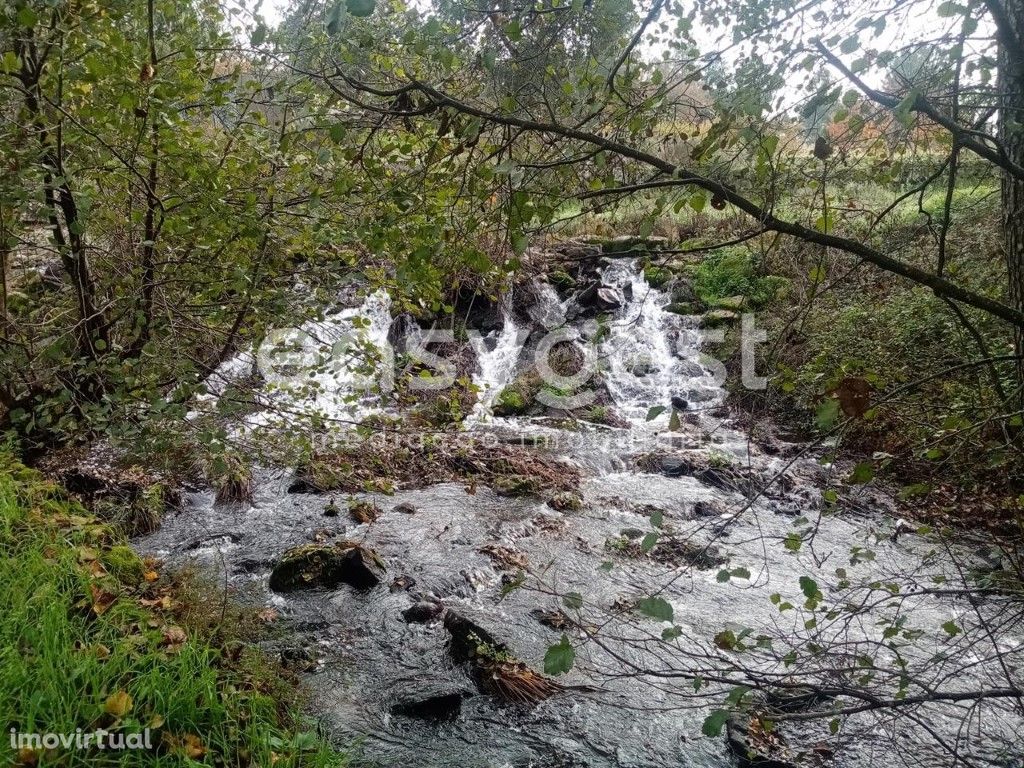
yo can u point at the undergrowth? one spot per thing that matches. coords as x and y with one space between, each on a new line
92 637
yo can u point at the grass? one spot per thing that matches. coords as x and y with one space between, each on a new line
91 637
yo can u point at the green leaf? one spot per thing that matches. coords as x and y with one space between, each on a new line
827 414
656 608
655 412
809 587
360 8
573 600
714 722
723 576
657 518
335 17
741 573
864 472
27 17
648 542
793 542
559 657
337 132
671 633
259 34
951 628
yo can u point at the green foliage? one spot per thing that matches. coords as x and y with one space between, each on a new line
732 271
559 658
100 655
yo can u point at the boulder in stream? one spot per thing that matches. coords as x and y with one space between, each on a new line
442 705
319 566
422 612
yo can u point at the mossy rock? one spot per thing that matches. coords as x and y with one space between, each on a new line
561 279
510 402
316 566
717 318
628 243
566 501
657 277
735 303
682 308
124 564
364 511
515 485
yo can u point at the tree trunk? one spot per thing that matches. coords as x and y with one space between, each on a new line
1011 134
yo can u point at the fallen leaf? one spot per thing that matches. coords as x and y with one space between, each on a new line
854 395
267 615
151 575
101 599
174 636
193 746
118 704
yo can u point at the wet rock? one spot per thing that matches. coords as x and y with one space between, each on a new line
299 659
504 557
466 637
364 511
402 583
443 705
753 746
317 566
734 303
708 509
422 612
404 508
623 244
716 318
679 551
682 292
515 485
402 327
643 368
566 501
670 465
684 308
601 297
555 619
608 298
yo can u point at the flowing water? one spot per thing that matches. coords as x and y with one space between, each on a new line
368 659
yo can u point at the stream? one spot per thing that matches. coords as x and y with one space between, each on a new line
365 665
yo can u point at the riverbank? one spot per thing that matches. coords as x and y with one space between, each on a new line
101 646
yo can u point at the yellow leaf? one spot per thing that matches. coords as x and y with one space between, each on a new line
118 704
194 746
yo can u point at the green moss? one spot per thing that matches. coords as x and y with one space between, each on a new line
516 485
124 565
657 277
731 271
561 279
510 402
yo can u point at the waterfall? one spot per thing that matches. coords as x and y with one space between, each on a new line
336 366
497 354
651 355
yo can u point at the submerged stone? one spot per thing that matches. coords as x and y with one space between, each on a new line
443 705
422 612
317 566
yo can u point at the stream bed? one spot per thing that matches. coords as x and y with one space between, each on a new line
630 698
